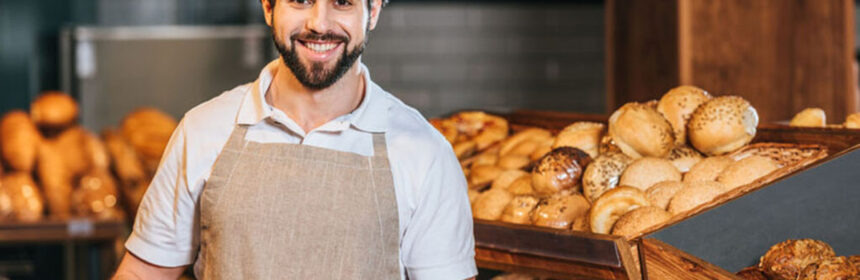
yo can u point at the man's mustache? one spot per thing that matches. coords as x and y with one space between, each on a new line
318 37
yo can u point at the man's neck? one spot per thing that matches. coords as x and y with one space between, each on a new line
313 108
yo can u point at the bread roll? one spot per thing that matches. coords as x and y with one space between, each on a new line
71 145
603 174
809 117
639 219
54 109
465 149
522 186
97 196
610 206
513 162
56 179
581 135
852 121
708 169
543 148
751 273
695 194
640 131
446 127
473 195
487 129
746 171
526 148
491 204
97 153
519 210
481 176
560 211
22 196
19 141
488 157
607 145
661 193
561 169
581 224
787 259
126 164
677 105
507 177
645 172
530 136
855 260
148 131
684 157
722 125
835 268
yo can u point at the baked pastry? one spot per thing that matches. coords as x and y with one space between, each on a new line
809 117
491 204
519 210
751 273
485 129
71 146
524 142
581 224
56 179
645 172
473 195
97 196
661 193
785 260
708 169
506 178
746 171
481 176
522 186
126 164
607 145
24 197
610 206
677 105
96 152
694 194
148 131
560 169
835 268
560 210
488 157
513 162
19 141
465 149
684 157
852 121
638 220
581 135
722 125
855 260
446 127
603 174
640 131
54 109
543 148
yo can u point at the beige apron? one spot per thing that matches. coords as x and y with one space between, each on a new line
289 211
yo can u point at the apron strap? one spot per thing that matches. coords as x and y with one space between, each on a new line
380 151
237 137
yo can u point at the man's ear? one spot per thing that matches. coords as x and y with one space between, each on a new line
375 10
268 10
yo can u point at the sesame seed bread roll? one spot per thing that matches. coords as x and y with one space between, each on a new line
640 131
722 125
809 117
645 172
677 105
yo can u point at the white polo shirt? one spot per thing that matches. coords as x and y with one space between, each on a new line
436 240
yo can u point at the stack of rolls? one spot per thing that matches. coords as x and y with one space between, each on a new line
816 117
803 259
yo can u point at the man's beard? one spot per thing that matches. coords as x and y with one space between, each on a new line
316 76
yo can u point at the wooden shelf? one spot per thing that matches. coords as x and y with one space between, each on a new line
61 230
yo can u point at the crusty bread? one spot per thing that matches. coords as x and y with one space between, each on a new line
581 135
560 211
54 109
640 131
835 268
677 105
695 194
610 206
645 172
707 169
809 117
20 141
746 171
661 193
684 157
787 259
491 204
561 169
603 174
507 177
639 219
519 210
852 121
722 125
482 175
22 198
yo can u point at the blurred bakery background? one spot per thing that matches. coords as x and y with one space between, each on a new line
132 68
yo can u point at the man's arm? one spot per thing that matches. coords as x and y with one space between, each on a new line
133 268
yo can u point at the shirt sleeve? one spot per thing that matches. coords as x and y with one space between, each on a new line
164 231
439 242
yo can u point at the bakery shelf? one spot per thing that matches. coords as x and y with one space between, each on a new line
61 230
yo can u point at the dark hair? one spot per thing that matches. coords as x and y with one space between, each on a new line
369 2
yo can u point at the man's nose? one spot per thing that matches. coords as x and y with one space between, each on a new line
319 18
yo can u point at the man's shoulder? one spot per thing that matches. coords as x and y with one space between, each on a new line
410 132
219 111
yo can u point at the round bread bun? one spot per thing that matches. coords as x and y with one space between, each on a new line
22 197
751 273
746 171
481 176
722 125
491 204
522 186
19 141
504 180
693 195
835 268
809 117
640 131
607 145
148 130
852 121
603 174
560 169
645 172
684 157
54 109
560 211
708 169
661 193
638 220
544 147
612 205
787 259
519 210
513 162
581 135
677 105
510 144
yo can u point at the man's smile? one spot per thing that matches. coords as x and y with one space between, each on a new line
319 51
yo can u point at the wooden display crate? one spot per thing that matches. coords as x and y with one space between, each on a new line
565 254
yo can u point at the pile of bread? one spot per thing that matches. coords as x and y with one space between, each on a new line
815 117
803 259
654 160
51 165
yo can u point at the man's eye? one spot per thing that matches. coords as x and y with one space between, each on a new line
342 3
301 2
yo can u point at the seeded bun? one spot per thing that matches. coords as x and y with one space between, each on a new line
603 174
746 171
640 131
677 105
560 169
560 211
661 193
610 206
645 172
785 260
639 219
683 157
707 169
810 117
491 204
519 210
54 109
852 121
581 135
695 194
835 268
722 125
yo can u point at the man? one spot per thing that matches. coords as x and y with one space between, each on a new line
311 172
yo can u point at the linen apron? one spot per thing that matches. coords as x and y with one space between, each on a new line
290 211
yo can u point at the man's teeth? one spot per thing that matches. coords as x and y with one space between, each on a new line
321 47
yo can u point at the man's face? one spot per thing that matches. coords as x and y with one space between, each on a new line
319 40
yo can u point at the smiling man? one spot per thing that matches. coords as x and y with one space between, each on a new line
310 172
